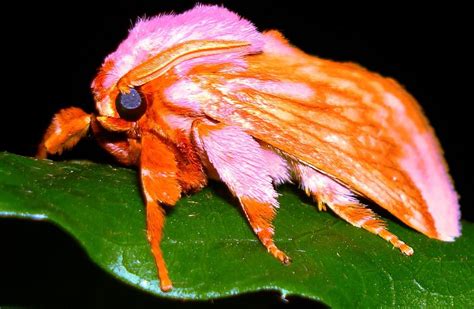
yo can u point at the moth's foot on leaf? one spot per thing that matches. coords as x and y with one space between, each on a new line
407 250
280 255
321 205
395 241
166 285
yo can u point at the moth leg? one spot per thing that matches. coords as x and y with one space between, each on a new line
158 173
68 126
242 165
360 216
318 198
125 151
191 175
342 201
155 221
260 217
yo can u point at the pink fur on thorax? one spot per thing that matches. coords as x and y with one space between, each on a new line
151 36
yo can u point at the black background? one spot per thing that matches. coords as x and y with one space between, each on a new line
51 52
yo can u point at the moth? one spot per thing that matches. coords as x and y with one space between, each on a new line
204 95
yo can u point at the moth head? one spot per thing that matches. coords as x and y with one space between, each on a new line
169 44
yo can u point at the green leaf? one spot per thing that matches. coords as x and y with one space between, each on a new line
211 251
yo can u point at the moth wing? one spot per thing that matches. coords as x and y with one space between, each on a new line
361 129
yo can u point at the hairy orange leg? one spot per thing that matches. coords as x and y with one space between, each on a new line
155 218
318 198
360 216
260 216
161 63
69 125
191 173
253 187
158 173
125 151
343 202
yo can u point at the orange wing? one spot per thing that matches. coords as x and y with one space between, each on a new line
363 130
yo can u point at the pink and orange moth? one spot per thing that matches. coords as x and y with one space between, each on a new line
204 95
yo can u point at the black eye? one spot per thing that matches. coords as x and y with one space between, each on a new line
130 106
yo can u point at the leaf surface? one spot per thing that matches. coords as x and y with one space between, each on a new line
211 251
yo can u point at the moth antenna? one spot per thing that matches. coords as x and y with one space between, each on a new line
164 61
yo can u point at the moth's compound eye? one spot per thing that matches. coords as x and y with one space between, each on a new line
130 106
